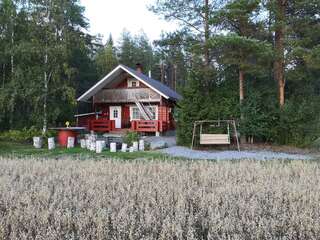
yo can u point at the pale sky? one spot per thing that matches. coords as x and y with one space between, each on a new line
112 16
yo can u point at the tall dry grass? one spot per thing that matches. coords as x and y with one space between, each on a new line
48 199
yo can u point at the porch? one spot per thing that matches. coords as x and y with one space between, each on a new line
105 125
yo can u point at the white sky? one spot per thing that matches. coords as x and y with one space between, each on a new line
112 16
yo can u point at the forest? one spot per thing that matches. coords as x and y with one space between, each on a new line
255 61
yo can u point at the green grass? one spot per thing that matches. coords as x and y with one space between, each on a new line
20 149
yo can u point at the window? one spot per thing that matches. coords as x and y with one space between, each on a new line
115 113
153 111
132 83
136 115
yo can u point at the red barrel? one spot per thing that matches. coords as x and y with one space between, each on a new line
63 137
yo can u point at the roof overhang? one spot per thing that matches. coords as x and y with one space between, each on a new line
108 79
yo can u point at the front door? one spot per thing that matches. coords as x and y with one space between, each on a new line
115 114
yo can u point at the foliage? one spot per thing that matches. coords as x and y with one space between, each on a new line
131 137
106 58
108 199
24 135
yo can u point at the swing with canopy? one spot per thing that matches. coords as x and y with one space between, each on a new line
209 137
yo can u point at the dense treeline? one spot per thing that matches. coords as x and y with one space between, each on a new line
256 61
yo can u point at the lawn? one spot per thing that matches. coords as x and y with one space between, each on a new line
20 149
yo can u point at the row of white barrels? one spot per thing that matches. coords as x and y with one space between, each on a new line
38 142
91 143
99 145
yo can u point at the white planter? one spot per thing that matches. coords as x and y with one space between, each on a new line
92 146
131 149
88 144
113 147
71 141
83 143
135 146
100 146
124 147
141 145
51 143
37 142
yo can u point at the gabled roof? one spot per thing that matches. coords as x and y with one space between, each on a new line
155 85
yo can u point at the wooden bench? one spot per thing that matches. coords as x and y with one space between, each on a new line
208 139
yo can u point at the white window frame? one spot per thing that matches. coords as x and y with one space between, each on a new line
131 80
135 107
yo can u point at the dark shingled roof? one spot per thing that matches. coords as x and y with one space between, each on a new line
156 85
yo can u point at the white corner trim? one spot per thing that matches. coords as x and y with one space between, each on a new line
165 96
98 83
102 81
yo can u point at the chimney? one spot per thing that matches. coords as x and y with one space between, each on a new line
139 67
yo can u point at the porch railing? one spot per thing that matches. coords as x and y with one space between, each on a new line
148 126
102 125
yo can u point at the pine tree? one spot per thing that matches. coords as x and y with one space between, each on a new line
106 58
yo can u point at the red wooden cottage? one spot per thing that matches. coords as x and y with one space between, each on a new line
128 99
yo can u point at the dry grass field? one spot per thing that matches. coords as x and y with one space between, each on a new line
73 199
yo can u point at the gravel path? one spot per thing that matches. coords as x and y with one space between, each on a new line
177 151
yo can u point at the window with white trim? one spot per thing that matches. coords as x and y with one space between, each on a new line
136 115
132 83
153 111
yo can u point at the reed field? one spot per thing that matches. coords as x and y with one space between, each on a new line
113 199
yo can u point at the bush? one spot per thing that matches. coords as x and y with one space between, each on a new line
131 137
24 135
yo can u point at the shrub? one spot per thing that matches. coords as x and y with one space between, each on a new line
131 137
24 135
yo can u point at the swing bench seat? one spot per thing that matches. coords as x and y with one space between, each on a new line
214 139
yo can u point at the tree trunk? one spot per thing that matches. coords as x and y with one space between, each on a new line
206 33
45 95
175 77
279 50
241 86
12 44
3 74
241 98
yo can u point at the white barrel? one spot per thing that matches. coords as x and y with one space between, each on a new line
141 145
135 146
92 146
51 144
88 144
83 143
131 149
99 146
37 142
71 141
113 147
124 147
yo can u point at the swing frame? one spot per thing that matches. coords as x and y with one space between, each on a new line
215 139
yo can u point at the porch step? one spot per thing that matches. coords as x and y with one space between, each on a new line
118 132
